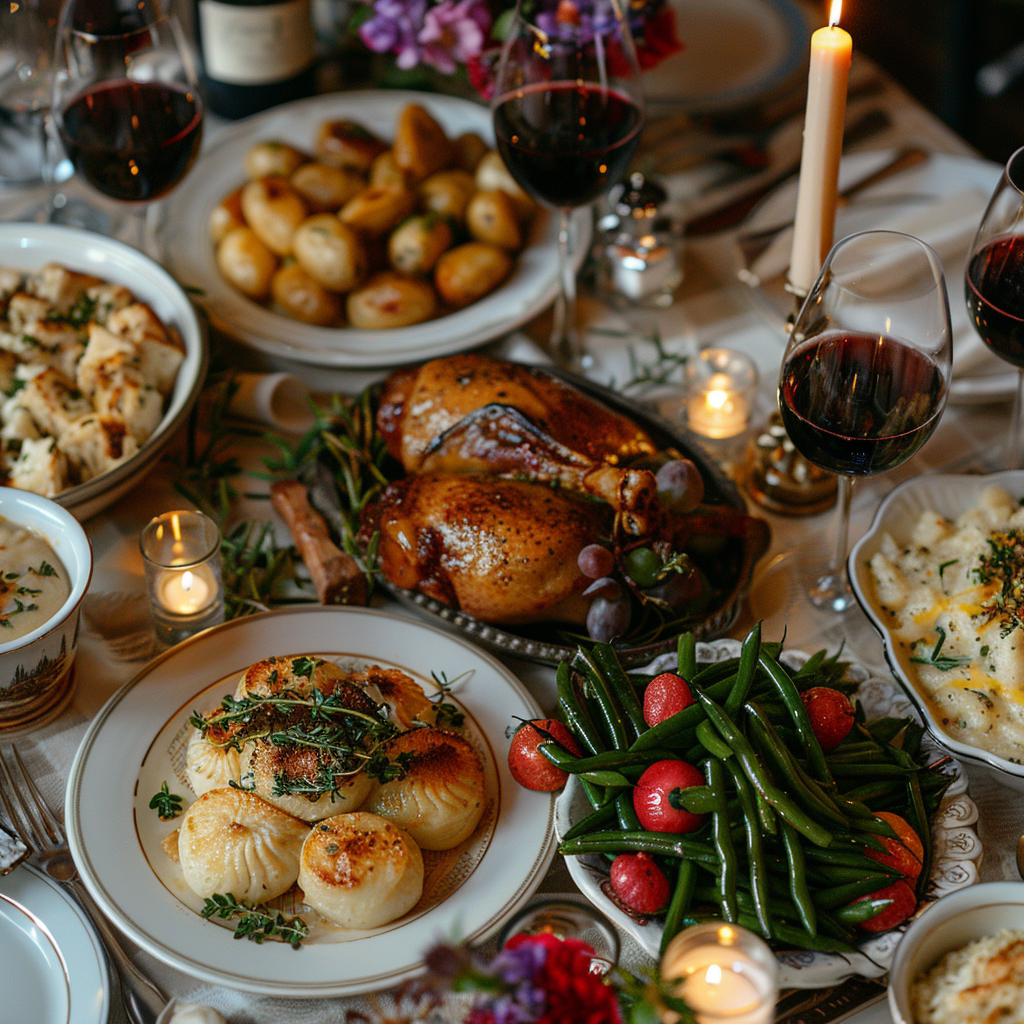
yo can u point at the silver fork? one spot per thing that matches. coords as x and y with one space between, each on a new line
40 828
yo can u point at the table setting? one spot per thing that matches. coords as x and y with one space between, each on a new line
510 513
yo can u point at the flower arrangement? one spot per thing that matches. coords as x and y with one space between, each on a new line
465 36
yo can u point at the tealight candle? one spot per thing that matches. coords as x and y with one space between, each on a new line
725 974
181 551
720 389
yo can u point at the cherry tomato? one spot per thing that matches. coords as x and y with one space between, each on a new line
529 767
656 797
904 854
639 883
831 715
665 696
904 903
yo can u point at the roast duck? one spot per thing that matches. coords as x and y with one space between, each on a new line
516 483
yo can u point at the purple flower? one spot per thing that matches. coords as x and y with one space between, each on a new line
394 27
453 32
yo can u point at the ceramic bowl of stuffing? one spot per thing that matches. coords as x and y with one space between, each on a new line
962 961
102 356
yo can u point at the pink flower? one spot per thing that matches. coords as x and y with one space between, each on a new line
453 33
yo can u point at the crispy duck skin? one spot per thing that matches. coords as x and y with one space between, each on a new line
501 550
472 414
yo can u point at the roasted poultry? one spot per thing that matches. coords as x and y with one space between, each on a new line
473 414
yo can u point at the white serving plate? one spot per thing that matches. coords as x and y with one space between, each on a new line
53 969
950 495
136 742
190 255
29 246
957 848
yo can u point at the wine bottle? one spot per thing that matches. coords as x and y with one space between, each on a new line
256 53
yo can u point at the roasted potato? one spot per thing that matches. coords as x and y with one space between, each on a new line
246 262
468 272
470 149
226 216
323 187
330 252
347 144
272 158
421 146
304 298
378 209
384 171
491 173
447 193
415 246
491 217
273 210
391 300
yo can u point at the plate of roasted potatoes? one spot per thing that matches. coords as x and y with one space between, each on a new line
363 229
331 783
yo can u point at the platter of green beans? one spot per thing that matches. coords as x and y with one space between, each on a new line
786 826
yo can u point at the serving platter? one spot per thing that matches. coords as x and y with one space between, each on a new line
136 742
189 253
957 848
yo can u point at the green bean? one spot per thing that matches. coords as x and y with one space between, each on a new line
819 943
712 742
838 895
810 665
846 857
755 849
862 910
606 778
795 706
608 713
576 718
745 673
665 843
680 902
714 772
799 891
765 814
622 687
689 717
595 797
917 819
786 807
612 759
592 822
715 672
871 771
858 757
686 656
871 791
625 814
828 925
839 873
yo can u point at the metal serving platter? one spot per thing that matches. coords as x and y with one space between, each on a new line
719 490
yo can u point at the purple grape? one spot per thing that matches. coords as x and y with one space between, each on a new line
595 561
604 587
607 619
680 588
680 486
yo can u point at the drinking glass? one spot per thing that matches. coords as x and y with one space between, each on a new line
866 372
994 285
567 119
125 99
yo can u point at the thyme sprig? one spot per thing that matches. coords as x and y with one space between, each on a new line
166 804
256 923
446 713
943 662
1003 565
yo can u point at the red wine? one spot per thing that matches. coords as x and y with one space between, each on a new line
859 403
132 140
995 297
565 143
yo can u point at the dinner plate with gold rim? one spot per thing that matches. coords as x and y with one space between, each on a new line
137 742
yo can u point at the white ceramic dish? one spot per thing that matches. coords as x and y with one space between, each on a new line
190 254
135 742
950 495
957 849
28 246
34 668
950 924
52 970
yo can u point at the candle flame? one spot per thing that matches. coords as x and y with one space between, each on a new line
717 399
714 975
187 579
834 13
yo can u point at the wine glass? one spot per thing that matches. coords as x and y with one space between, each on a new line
866 372
125 99
567 118
994 284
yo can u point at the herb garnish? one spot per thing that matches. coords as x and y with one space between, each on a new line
1004 565
943 662
446 714
166 804
945 565
256 923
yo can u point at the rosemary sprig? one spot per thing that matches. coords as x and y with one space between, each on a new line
166 804
256 923
646 375
943 662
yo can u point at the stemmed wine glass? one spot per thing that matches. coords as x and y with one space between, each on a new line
866 372
995 284
125 99
567 118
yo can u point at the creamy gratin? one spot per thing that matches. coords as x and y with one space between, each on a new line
954 598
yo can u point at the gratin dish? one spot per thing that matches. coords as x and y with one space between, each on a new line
29 246
950 495
956 843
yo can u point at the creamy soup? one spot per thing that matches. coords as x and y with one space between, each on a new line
33 581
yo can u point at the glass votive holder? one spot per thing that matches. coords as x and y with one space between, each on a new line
724 973
181 551
721 388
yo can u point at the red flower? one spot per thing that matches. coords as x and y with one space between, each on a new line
574 995
660 40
